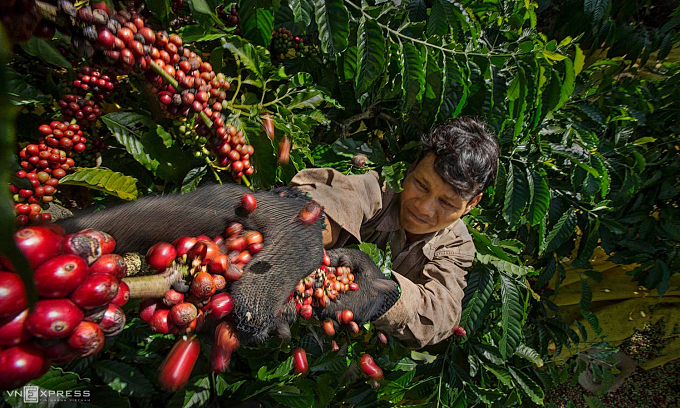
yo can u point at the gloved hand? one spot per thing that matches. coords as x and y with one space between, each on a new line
291 250
376 295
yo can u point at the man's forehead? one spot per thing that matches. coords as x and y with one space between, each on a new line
425 169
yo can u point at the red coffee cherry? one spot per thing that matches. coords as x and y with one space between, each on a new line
249 203
112 264
175 370
95 291
183 313
88 339
160 322
346 316
60 276
161 255
328 328
20 364
12 294
123 295
13 330
38 244
53 318
370 368
300 361
220 306
113 322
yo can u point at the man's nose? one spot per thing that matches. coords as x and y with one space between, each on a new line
426 207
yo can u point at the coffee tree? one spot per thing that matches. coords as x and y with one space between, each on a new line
109 102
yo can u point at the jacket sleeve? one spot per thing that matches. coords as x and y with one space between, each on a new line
430 307
350 200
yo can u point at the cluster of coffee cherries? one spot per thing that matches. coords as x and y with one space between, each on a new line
211 263
85 111
43 166
231 149
322 287
187 86
90 80
63 135
231 16
282 41
78 280
30 213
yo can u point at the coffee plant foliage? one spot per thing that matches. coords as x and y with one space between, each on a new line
589 158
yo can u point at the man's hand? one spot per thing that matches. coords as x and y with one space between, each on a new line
292 250
376 295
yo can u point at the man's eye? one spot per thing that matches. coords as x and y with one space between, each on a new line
421 185
448 205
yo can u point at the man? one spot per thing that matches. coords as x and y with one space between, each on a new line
430 244
420 305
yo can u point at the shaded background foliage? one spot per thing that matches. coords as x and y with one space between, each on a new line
582 96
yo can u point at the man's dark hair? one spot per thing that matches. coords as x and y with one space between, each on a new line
466 155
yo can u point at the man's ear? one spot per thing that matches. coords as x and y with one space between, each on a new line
473 203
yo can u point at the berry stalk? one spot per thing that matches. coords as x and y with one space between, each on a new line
154 286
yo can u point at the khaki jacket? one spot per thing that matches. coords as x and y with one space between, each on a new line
430 271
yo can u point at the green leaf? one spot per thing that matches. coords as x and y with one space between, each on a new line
437 23
103 179
512 313
516 196
596 8
592 320
567 84
332 19
513 89
579 60
300 14
528 386
197 33
201 6
20 91
417 10
195 395
193 178
124 378
292 396
478 292
165 136
128 129
413 74
552 55
256 59
330 362
593 402
666 46
349 62
547 273
501 373
586 295
561 231
529 354
371 53
257 21
45 51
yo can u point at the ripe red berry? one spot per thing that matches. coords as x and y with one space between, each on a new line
13 330
184 244
38 244
310 213
12 294
88 339
220 306
113 321
203 285
20 364
123 295
328 327
112 264
60 276
370 368
459 331
53 318
148 307
161 255
95 291
160 323
106 241
183 313
346 316
172 298
249 203
300 361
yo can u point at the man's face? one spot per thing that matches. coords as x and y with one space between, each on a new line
427 203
